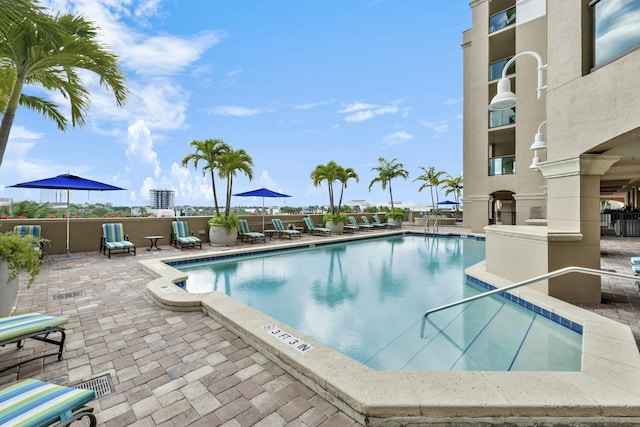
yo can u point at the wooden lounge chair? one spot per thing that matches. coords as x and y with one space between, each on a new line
308 222
34 403
16 329
113 238
245 232
279 228
32 230
182 237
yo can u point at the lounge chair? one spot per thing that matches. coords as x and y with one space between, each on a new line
279 228
37 403
365 221
636 269
113 238
32 230
635 260
353 222
182 237
244 231
376 218
308 222
16 329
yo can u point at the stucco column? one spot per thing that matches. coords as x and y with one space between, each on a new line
573 207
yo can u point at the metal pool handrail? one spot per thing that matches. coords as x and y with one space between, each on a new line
549 275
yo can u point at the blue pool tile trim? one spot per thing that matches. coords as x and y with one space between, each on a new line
177 264
576 327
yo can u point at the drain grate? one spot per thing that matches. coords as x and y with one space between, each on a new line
69 295
102 385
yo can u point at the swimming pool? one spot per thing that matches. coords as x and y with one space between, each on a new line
365 299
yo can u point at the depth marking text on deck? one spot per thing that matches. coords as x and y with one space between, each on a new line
287 338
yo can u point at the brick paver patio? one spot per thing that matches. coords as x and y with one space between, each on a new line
182 368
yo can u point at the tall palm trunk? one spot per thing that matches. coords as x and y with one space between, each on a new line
340 201
9 115
391 196
227 207
215 195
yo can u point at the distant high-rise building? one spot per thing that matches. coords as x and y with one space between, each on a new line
56 197
162 199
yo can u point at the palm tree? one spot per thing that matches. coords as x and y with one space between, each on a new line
344 175
229 164
453 185
209 152
330 173
388 170
50 52
431 179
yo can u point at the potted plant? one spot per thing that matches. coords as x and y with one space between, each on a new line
334 222
17 253
219 156
395 216
223 230
330 173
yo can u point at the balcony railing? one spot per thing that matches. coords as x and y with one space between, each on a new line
505 165
502 19
495 68
502 117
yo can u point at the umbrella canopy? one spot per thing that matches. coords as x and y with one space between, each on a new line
448 202
261 192
67 182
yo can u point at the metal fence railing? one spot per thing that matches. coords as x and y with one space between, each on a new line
620 224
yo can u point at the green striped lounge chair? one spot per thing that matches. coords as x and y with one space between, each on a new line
352 221
376 218
277 225
16 329
308 222
34 403
245 232
182 237
365 221
32 230
113 238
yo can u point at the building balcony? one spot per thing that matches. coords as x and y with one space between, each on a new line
503 165
502 19
502 117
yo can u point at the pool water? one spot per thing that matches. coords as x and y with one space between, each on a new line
366 299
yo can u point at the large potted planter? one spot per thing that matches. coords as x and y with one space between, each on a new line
223 230
334 222
16 253
395 217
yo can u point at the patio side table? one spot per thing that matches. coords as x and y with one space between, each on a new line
153 240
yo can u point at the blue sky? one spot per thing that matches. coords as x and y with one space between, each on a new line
294 83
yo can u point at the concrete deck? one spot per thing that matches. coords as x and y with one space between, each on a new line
183 368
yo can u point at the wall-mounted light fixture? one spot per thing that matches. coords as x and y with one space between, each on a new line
504 97
538 142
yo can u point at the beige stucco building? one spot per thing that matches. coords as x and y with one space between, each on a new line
588 113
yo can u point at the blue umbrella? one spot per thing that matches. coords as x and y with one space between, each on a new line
261 192
67 182
448 202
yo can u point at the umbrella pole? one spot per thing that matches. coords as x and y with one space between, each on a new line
262 214
68 253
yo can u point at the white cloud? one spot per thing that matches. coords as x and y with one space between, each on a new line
266 181
358 112
309 105
357 106
438 127
140 147
233 110
395 138
20 133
